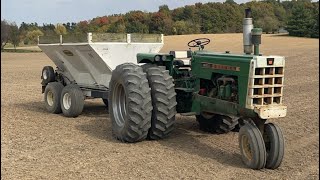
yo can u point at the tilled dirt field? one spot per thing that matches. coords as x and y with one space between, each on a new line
39 145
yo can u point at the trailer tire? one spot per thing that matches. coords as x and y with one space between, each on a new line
163 101
216 123
52 96
106 102
130 103
274 143
72 100
47 74
252 147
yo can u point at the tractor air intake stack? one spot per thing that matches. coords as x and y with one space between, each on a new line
247 27
256 39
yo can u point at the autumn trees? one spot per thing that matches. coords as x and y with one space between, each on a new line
9 33
298 17
5 30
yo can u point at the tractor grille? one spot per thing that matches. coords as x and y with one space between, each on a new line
266 86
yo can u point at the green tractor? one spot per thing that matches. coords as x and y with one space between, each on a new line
226 92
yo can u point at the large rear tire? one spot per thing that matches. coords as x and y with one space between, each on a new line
130 103
252 147
52 96
274 143
226 124
163 101
207 123
214 123
72 100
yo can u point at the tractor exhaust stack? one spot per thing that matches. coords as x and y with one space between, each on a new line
247 27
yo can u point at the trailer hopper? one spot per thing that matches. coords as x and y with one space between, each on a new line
89 60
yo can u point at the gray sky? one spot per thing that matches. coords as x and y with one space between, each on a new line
62 11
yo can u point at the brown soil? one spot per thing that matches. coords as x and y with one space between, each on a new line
39 145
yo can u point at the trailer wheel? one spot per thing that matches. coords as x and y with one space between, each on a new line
163 101
130 103
274 143
52 96
47 74
252 147
106 102
214 123
72 100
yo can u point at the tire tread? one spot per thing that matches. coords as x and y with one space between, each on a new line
163 101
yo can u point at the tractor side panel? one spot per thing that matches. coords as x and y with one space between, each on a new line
204 66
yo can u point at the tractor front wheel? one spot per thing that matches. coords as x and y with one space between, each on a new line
274 143
252 147
130 103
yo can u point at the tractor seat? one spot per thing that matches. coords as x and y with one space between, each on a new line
181 58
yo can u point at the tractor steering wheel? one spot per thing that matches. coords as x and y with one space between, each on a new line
199 42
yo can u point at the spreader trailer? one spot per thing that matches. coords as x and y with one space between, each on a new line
145 89
84 65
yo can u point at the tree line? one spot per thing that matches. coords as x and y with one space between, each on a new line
298 17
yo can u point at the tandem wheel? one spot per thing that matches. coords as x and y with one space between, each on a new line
52 95
261 150
72 100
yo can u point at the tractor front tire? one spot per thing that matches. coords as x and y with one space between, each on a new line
163 101
274 143
130 103
252 147
52 96
72 101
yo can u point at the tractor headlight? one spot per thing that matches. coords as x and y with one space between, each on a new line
163 58
157 58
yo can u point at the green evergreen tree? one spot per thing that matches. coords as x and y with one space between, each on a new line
301 22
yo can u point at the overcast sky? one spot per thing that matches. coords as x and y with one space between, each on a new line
62 11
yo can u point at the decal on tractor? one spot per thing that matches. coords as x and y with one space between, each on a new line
220 67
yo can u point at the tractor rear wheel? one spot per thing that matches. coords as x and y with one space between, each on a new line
252 147
130 103
52 96
146 66
274 143
72 100
226 124
214 123
163 101
207 122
